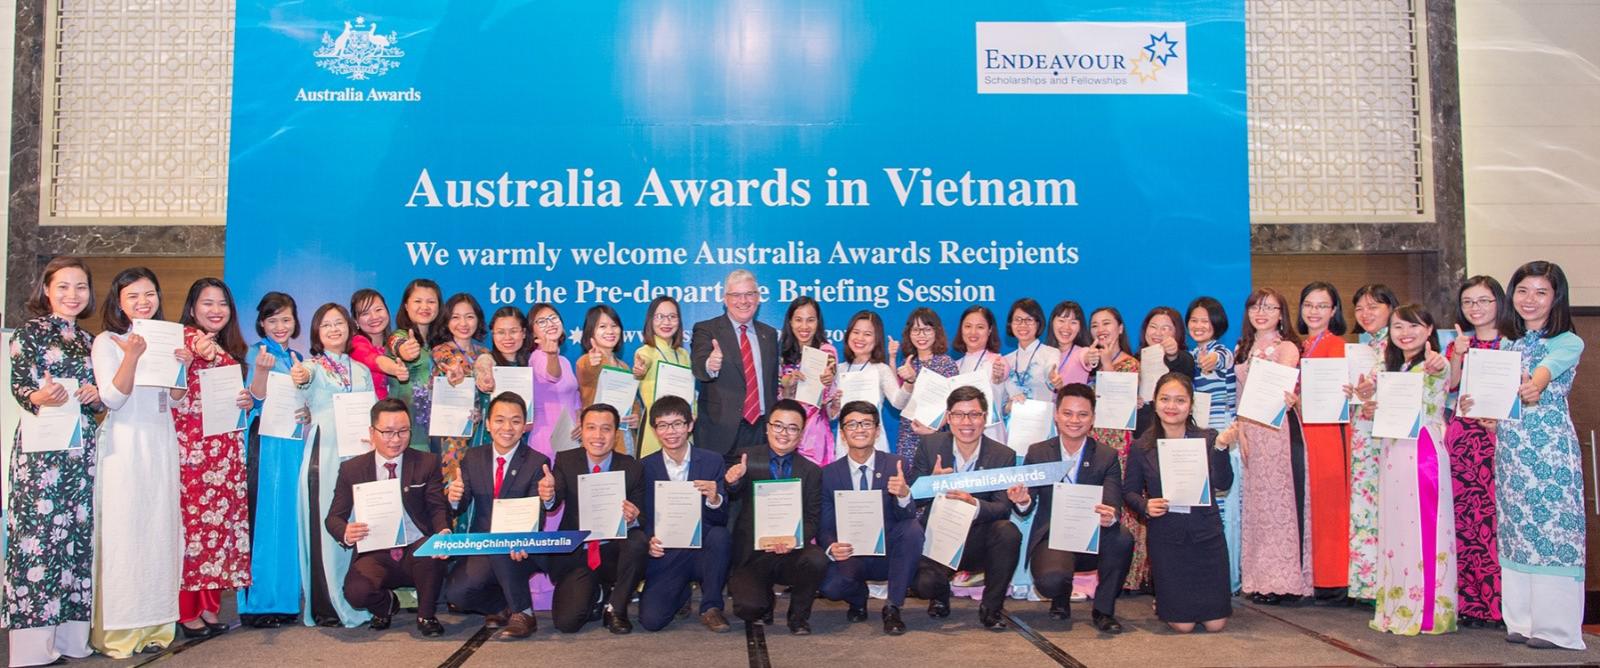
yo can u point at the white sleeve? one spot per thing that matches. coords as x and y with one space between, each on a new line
106 358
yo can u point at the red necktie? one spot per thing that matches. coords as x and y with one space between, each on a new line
499 474
594 545
752 394
395 553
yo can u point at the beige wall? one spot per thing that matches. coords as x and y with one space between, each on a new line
1530 88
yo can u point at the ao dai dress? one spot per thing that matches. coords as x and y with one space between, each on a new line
215 499
1416 588
277 528
1274 541
1364 454
323 560
1122 439
816 442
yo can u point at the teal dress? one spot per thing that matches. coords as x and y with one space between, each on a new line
323 561
276 527
1539 468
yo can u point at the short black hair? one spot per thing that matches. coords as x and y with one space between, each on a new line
1336 323
1078 390
860 407
112 318
270 304
966 393
1214 312
670 405
616 418
1029 306
390 405
792 406
509 398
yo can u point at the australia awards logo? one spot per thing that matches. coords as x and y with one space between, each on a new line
359 52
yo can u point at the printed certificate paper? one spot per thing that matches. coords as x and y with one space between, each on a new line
1074 524
600 497
859 514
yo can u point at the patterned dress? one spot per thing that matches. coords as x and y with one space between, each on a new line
214 496
1539 469
446 357
1223 387
1121 439
1472 458
1416 590
49 520
1364 454
1275 544
906 443
816 442
417 391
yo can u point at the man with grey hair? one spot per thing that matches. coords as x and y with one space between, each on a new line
735 359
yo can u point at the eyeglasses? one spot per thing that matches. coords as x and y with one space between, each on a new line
332 324
859 425
1024 320
1316 308
742 296
921 331
665 317
783 428
1263 308
1484 302
674 425
548 320
966 416
391 434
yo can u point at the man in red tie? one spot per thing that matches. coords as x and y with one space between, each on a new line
735 359
375 573
596 582
497 585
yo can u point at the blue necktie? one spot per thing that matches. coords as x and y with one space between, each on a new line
780 467
865 485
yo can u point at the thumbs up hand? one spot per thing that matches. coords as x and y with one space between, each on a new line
1529 391
714 362
737 471
938 466
50 393
456 491
894 350
1462 342
897 486
547 485
265 360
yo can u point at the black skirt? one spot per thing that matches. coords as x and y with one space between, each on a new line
1191 578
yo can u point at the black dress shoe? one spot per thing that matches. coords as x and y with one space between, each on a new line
891 620
939 608
1106 623
767 618
1061 608
799 627
194 633
380 622
218 628
430 628
617 624
991 619
855 614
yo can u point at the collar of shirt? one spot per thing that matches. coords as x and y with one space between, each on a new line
855 467
604 464
1076 460
963 465
675 471
383 473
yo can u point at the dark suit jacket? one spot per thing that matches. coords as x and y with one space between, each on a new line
841 474
521 481
1143 482
575 462
1098 466
992 454
703 465
722 397
758 468
421 492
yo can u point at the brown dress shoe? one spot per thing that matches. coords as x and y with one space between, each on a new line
520 625
713 619
496 620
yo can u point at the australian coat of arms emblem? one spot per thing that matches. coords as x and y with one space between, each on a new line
359 52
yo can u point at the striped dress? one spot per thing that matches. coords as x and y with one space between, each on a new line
1223 386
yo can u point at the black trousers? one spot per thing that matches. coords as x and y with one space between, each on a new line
490 584
1053 569
374 575
750 584
994 548
578 587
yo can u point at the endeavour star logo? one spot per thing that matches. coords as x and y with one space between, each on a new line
359 51
1161 49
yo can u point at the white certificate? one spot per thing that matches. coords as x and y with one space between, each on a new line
616 387
1201 410
1185 471
1399 399
55 427
377 504
949 520
1074 524
674 380
219 400
1262 397
860 386
1031 421
279 406
1152 366
451 412
561 436
677 514
1322 381
351 419
978 379
600 497
927 397
517 380
159 366
813 363
779 513
859 516
1362 360
1116 395
1492 378
515 515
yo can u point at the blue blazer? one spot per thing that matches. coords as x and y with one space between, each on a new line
703 465
841 474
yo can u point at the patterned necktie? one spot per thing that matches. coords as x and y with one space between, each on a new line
752 394
499 474
395 553
864 484
594 545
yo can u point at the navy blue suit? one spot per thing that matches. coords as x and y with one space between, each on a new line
491 584
667 578
847 580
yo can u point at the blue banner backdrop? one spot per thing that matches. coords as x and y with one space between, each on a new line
886 155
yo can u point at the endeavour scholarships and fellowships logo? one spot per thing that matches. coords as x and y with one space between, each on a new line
358 53
1067 58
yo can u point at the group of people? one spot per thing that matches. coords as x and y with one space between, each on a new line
134 533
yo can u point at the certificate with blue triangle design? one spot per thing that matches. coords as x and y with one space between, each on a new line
1074 524
859 516
949 521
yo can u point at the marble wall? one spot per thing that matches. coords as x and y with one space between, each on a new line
1441 243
